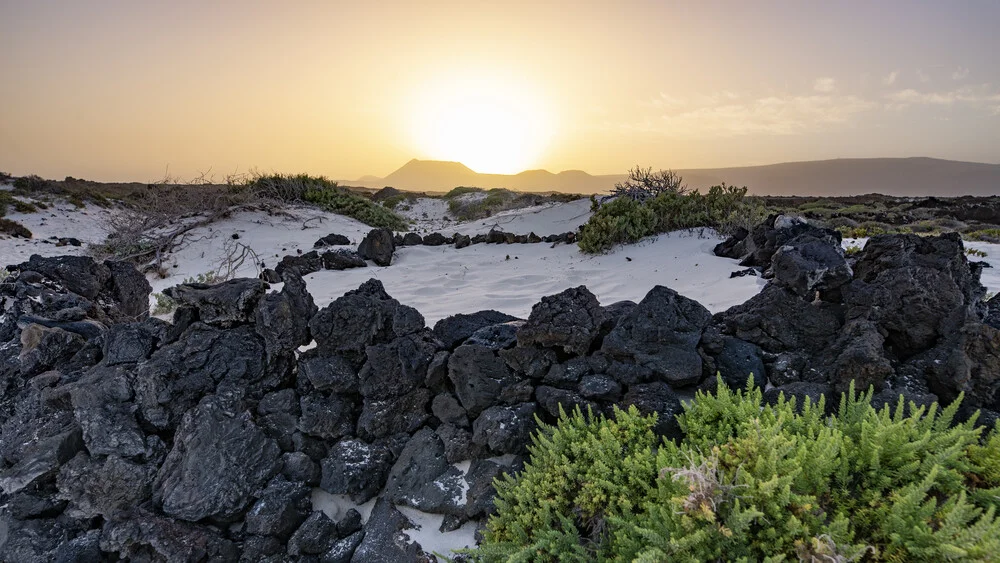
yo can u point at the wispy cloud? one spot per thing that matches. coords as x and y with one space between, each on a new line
982 96
730 115
923 76
890 78
825 84
960 73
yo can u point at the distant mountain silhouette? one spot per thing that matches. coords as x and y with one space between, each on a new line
847 176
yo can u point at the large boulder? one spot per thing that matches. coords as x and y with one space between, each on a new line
219 462
810 263
356 468
453 330
109 488
342 260
381 418
662 333
332 239
103 405
360 318
299 264
225 304
569 321
384 540
378 247
423 479
282 318
505 429
395 368
479 376
656 398
144 536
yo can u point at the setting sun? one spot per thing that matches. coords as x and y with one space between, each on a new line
489 125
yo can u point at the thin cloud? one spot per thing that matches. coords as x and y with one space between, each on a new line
960 73
923 76
825 84
967 95
890 78
730 116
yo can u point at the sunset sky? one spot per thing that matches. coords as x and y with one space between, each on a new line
123 90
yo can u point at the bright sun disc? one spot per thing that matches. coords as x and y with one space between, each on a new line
489 127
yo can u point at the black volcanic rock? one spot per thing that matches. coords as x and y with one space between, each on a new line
662 333
332 239
569 321
378 246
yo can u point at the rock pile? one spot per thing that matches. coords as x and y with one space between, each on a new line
123 436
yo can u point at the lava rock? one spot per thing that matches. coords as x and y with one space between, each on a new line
435 239
299 264
328 373
381 418
378 247
423 479
326 416
455 329
505 429
662 334
342 260
412 239
569 321
478 375
332 239
656 398
357 469
383 538
315 536
220 459
279 510
107 488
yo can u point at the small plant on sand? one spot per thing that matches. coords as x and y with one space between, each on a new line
976 252
14 229
164 305
461 190
852 249
752 481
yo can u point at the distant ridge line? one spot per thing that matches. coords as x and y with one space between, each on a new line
905 176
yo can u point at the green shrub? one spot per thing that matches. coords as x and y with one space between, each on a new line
754 482
461 190
14 229
976 252
619 221
984 235
27 185
339 200
24 207
724 208
164 305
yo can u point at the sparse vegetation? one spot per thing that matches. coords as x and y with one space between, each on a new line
164 305
461 190
852 249
14 229
976 252
628 219
754 482
643 184
337 200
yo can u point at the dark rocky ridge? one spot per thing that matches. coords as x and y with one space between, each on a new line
127 437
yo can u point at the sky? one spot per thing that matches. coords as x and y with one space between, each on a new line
125 90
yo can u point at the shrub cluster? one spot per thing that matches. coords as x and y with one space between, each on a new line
14 229
754 482
321 192
339 200
625 219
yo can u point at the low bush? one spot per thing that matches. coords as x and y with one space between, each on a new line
643 184
461 190
624 219
27 185
984 235
754 482
339 200
14 229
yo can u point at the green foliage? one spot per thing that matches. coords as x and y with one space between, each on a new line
643 184
620 221
164 305
976 252
14 229
755 482
6 200
392 202
282 187
339 200
461 190
852 249
30 184
625 220
984 235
